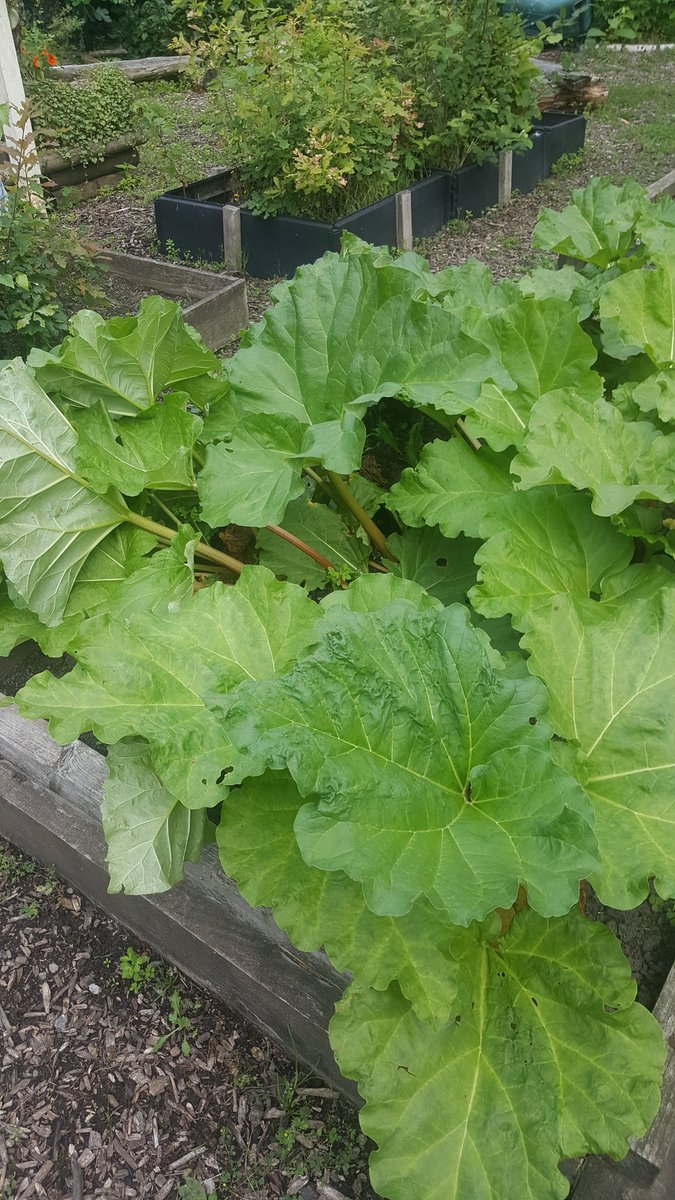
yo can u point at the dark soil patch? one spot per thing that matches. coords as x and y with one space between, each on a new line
123 297
88 1108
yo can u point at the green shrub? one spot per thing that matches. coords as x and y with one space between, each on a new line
45 271
317 122
82 116
470 67
639 19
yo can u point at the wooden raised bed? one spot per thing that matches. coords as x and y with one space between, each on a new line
89 177
220 308
50 798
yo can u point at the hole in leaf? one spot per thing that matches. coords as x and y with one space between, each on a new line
467 792
458 1019
533 720
225 771
535 1002
119 440
441 562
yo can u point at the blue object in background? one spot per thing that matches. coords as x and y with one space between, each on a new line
575 14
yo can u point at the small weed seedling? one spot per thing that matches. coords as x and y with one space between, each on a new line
137 970
180 1024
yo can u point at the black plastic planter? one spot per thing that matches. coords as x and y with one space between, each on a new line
529 166
564 134
194 221
191 222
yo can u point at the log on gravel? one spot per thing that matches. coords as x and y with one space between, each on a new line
138 69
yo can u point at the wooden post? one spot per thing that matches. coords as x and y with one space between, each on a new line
404 228
232 237
505 176
11 91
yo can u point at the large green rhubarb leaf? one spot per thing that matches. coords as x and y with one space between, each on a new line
144 674
320 909
150 834
610 670
542 346
444 568
638 309
598 225
429 769
96 591
546 1057
344 333
457 488
548 544
151 450
656 394
125 362
593 446
51 521
371 593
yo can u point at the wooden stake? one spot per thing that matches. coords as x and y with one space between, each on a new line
232 236
505 176
404 227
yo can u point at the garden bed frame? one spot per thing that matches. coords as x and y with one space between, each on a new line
220 310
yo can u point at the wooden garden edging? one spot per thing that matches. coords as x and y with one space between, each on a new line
220 310
89 177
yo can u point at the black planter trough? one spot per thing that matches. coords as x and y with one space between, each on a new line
203 222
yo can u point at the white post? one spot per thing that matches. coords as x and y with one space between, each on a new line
11 89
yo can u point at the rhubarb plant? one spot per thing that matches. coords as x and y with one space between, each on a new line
419 708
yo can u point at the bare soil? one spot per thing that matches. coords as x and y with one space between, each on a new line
89 1110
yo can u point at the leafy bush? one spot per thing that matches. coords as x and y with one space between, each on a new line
82 116
316 121
417 764
470 68
638 19
45 270
137 26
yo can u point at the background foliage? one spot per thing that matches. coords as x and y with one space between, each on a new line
470 68
637 19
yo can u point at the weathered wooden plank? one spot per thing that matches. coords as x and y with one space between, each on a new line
53 161
663 187
505 185
404 224
232 237
172 278
166 67
604 1179
50 807
220 317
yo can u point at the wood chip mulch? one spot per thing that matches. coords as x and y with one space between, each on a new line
89 1109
